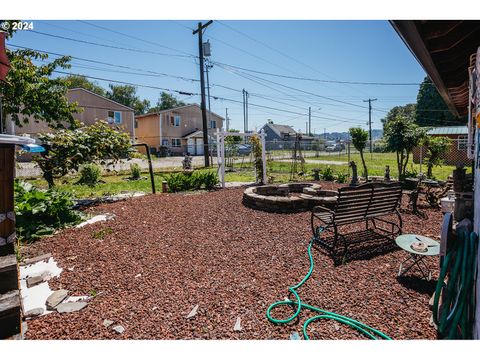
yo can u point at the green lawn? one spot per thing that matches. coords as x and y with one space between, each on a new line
279 171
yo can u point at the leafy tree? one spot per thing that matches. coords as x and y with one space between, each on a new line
126 95
80 81
437 147
359 140
401 135
407 111
30 92
431 108
67 150
166 101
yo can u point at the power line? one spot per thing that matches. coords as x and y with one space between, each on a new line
109 46
106 63
303 91
317 80
135 38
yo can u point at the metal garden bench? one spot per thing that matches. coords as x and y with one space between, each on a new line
369 202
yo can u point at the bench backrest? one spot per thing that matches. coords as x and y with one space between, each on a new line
366 201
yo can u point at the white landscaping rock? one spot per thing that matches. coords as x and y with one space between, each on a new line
95 219
107 323
193 312
119 329
33 313
238 326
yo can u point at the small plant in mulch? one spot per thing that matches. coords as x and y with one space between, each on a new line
342 178
41 212
100 234
90 175
327 174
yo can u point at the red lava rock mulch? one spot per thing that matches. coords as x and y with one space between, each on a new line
208 249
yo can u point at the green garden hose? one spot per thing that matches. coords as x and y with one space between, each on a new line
362 328
454 316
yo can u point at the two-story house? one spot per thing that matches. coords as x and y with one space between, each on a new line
95 107
179 129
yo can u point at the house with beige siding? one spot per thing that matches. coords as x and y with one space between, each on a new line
95 107
177 130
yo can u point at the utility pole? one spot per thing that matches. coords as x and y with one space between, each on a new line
309 121
199 31
325 133
227 120
370 121
208 66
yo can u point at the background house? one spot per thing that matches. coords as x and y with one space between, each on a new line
457 153
283 137
178 130
95 108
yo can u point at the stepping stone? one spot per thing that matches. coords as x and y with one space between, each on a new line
107 323
119 329
56 298
238 326
34 280
69 307
33 313
193 312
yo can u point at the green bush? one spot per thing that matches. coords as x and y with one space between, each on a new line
327 174
40 212
90 175
342 178
135 172
210 179
191 181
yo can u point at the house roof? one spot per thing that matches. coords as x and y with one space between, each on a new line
194 133
448 130
281 129
176 108
100 96
445 49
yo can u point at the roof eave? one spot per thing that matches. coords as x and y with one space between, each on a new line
409 34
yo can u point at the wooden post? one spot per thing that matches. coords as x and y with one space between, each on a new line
10 313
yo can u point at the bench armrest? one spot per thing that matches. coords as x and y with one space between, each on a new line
319 208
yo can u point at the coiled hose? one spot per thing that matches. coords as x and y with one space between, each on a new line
454 316
362 328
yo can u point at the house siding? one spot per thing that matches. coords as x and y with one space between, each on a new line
95 108
148 130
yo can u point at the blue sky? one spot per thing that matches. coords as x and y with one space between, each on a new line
364 51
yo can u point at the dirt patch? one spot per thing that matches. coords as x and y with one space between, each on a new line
209 249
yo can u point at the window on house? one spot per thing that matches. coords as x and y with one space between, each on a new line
136 124
177 120
462 142
213 124
164 142
176 142
114 117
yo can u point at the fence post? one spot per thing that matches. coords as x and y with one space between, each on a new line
421 158
264 157
222 152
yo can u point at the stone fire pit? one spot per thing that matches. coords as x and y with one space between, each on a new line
288 198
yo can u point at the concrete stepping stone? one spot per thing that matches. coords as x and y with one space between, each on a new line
55 299
68 307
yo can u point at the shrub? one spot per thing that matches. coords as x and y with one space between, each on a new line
40 212
342 178
135 172
327 174
90 174
191 181
210 179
